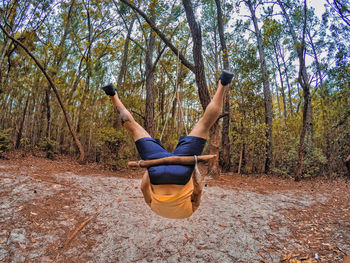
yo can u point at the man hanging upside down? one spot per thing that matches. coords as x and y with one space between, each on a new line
172 191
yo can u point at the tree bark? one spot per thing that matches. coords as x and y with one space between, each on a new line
267 92
225 159
52 85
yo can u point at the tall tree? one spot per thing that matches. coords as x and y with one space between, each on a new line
225 159
252 5
303 79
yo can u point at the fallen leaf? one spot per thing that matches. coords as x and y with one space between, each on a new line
34 214
286 257
1 241
33 240
22 246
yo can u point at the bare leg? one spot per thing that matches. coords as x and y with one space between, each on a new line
211 113
135 130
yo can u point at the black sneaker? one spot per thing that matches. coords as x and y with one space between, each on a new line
226 77
109 89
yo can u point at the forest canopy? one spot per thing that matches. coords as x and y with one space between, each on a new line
287 111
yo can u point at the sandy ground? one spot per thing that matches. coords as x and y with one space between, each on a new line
241 219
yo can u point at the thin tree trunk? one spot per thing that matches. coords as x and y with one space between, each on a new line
318 67
149 114
19 134
347 163
288 85
48 112
267 92
225 159
281 80
123 67
277 95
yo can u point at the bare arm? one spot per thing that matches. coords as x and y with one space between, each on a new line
145 185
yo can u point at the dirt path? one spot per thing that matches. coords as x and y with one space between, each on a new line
241 219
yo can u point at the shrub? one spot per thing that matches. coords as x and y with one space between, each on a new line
114 147
48 145
5 143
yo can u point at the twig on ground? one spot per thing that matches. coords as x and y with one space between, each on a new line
82 225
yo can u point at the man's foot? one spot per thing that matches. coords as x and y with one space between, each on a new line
226 77
109 89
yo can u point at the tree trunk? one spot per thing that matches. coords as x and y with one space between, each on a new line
277 95
149 114
267 92
123 67
318 67
48 112
288 84
347 163
281 80
214 144
225 159
19 135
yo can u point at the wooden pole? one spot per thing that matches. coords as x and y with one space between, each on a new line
183 160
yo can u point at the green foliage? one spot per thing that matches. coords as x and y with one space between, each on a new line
48 145
5 142
113 147
25 144
314 162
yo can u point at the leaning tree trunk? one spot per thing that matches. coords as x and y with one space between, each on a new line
52 85
225 159
267 92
